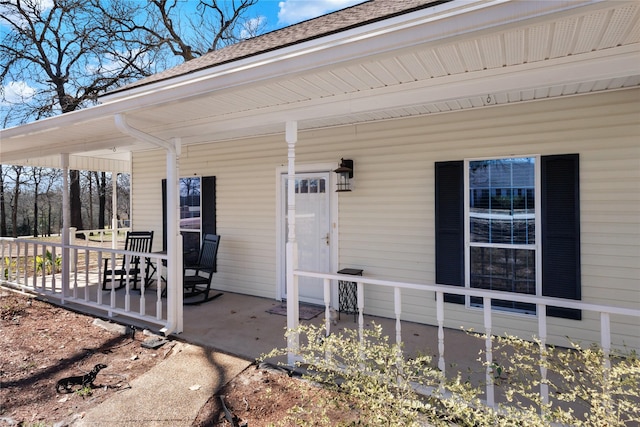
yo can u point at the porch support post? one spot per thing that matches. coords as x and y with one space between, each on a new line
291 136
66 223
174 240
114 210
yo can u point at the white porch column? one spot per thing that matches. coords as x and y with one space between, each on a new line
291 136
174 240
114 210
66 223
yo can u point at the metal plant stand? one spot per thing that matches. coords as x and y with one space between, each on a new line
348 293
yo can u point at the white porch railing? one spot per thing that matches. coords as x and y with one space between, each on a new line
541 303
36 266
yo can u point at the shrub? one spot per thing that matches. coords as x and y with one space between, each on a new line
369 373
586 387
48 264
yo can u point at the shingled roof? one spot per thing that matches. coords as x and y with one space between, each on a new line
342 20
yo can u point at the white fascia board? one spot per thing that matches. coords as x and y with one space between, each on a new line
428 25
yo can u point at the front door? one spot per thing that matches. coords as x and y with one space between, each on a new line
313 231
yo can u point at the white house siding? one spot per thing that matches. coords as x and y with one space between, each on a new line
387 223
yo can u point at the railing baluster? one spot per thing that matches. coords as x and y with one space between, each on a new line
75 273
327 306
327 314
360 303
53 275
144 262
605 338
158 288
26 263
143 302
100 276
360 288
16 264
127 282
486 301
87 256
10 269
397 298
112 301
440 320
542 332
42 272
605 342
16 273
35 267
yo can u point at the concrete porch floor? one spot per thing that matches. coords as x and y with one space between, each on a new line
240 325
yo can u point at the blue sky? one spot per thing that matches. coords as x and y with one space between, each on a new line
280 13
274 14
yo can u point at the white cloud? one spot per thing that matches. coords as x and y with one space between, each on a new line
45 4
17 92
252 27
11 13
292 11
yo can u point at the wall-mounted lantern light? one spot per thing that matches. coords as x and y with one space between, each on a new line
345 173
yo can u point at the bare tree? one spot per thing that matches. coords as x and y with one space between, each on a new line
123 190
102 197
67 55
37 174
174 29
16 175
60 55
52 192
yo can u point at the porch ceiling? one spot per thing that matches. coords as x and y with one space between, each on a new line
419 66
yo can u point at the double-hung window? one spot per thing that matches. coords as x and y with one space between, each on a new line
510 224
501 226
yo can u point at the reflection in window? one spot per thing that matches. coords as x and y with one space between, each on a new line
501 220
306 186
190 220
502 201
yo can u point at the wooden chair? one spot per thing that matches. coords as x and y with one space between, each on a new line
136 241
198 282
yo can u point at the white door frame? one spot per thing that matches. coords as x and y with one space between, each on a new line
281 230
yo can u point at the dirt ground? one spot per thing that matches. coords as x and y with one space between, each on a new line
41 343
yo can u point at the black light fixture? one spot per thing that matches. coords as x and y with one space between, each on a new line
345 173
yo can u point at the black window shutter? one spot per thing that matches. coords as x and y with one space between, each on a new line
561 231
449 233
208 208
164 215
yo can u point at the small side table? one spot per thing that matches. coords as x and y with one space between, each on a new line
348 293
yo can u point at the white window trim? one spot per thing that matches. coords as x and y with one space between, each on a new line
537 246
